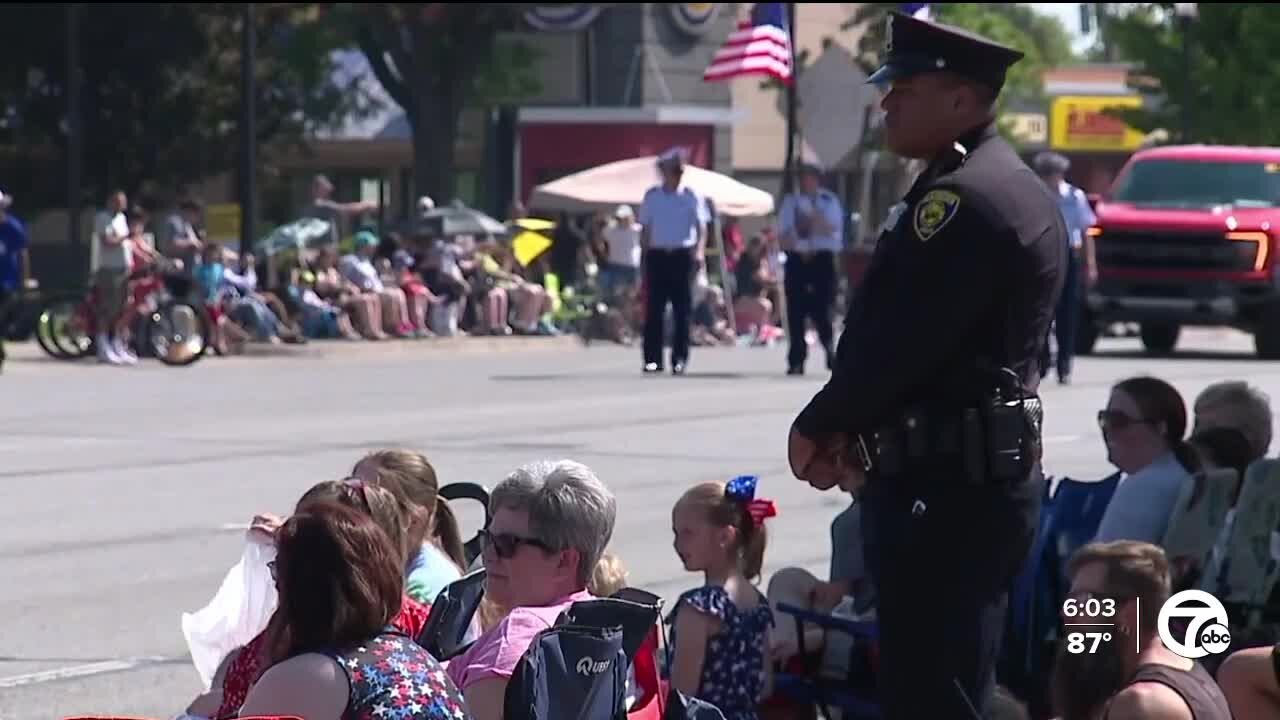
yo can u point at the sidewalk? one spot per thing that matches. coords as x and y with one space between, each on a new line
29 353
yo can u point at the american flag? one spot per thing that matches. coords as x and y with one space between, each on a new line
760 46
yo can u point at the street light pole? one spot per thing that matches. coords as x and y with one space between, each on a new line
75 139
248 130
1186 13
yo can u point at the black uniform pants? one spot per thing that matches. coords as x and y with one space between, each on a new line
810 284
943 559
1066 319
668 276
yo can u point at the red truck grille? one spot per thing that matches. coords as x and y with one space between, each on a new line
1204 252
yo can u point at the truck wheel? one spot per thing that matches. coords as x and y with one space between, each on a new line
1266 336
1160 338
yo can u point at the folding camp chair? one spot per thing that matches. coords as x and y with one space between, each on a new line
444 633
578 667
478 493
854 695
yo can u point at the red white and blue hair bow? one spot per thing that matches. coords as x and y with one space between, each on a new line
742 489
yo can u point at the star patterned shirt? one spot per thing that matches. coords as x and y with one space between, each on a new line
393 678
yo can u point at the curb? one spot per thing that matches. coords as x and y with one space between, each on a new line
30 352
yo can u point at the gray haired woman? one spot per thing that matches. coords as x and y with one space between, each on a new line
551 523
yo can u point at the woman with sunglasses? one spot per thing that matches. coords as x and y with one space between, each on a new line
1143 425
242 667
338 655
551 524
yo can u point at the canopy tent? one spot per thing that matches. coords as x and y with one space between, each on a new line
625 182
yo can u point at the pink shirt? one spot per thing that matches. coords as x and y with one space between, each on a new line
495 653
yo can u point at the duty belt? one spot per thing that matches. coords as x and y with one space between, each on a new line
998 444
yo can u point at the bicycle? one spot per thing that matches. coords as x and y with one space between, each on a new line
173 330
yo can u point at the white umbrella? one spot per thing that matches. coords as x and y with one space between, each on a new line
625 182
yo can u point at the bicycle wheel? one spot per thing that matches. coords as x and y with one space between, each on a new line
178 332
64 329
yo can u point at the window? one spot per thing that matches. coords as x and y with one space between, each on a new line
1194 183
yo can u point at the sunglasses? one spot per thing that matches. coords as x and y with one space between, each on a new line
1116 420
506 545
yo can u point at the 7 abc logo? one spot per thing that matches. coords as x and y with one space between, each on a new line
1206 630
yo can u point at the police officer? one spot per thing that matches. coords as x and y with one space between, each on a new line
811 228
673 220
1078 215
931 411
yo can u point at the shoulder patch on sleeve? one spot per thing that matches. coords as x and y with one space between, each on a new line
934 211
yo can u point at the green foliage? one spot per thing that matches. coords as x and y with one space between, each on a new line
1043 38
160 92
1231 84
435 60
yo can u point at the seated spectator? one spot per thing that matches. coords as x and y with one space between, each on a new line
710 324
489 300
443 276
341 585
260 310
436 556
1250 679
321 318
1143 425
1115 681
242 667
1236 404
752 308
358 269
551 524
364 308
799 587
209 277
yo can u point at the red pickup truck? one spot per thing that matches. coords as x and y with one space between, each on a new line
1187 236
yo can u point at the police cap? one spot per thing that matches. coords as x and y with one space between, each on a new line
917 46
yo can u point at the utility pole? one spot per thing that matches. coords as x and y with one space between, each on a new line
248 130
791 91
75 141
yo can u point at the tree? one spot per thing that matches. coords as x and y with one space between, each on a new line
1043 39
435 60
161 92
1233 69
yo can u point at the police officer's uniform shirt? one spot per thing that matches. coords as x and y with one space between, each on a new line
971 267
823 203
674 218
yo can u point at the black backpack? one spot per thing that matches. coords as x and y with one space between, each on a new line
570 672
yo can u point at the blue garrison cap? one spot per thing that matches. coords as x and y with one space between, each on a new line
673 158
916 46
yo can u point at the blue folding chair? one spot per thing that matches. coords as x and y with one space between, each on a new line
1069 519
855 700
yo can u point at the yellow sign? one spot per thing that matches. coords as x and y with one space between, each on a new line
1027 128
1081 123
222 222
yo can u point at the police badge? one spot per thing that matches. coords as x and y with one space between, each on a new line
934 212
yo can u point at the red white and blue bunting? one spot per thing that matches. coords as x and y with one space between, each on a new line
565 17
693 19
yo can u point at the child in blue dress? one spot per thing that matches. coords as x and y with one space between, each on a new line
720 634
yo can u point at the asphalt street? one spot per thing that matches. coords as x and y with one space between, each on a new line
124 491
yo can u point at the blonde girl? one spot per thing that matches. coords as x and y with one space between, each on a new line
433 529
720 632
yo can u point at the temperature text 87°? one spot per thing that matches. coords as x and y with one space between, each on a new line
1086 642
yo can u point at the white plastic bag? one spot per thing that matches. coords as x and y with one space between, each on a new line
237 614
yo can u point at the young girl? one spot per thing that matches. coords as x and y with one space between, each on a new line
720 636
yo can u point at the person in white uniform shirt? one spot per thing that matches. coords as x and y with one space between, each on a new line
673 239
1081 265
811 227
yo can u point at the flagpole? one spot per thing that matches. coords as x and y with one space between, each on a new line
789 90
788 164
